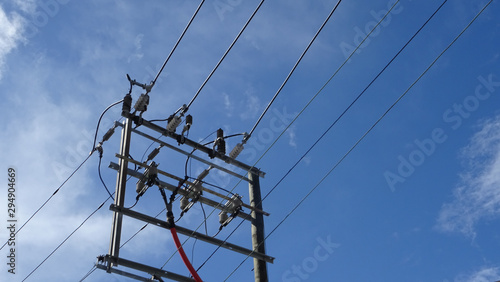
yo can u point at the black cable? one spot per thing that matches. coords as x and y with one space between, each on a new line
352 103
142 228
55 192
155 120
205 217
314 97
177 43
223 57
88 273
291 72
216 186
355 100
371 128
192 250
310 101
99 172
64 241
99 122
189 156
136 201
279 90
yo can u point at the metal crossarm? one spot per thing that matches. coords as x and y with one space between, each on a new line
188 232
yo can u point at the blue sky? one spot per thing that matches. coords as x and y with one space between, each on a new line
416 200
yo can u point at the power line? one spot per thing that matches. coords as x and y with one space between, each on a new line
300 113
296 117
100 176
292 71
66 239
369 130
51 196
99 122
223 57
177 43
94 148
88 273
355 100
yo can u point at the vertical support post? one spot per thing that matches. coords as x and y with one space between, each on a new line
121 181
258 245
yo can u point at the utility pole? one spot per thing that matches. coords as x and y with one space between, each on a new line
121 182
258 235
189 191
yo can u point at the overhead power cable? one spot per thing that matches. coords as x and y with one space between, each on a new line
354 101
51 196
99 122
366 133
177 43
66 239
223 57
88 273
324 23
292 71
94 148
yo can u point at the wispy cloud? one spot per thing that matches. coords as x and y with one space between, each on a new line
11 30
27 6
477 197
251 105
486 274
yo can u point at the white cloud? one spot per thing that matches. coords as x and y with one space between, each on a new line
477 197
11 30
251 105
27 6
483 275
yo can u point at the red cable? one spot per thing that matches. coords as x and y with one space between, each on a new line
183 255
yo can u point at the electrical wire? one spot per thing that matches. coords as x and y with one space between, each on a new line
368 131
292 71
99 122
66 239
355 100
352 103
142 228
300 113
205 217
100 176
223 57
88 273
51 196
216 186
177 43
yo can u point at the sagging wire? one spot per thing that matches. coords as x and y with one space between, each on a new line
205 217
98 124
352 103
375 124
94 148
176 117
178 41
66 239
291 72
94 267
99 148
